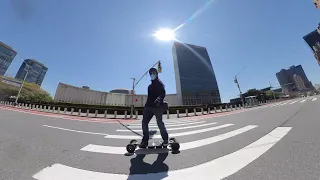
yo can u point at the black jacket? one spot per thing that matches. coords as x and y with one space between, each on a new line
155 89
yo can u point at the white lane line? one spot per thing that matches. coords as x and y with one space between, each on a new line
183 146
171 135
72 130
139 126
293 102
283 104
314 99
172 129
216 169
302 101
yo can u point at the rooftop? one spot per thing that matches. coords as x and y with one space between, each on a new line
3 44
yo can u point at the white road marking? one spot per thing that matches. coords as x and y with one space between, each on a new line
314 99
171 135
183 146
302 101
172 129
293 102
166 121
283 104
72 130
139 126
213 170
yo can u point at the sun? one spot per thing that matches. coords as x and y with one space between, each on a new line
165 35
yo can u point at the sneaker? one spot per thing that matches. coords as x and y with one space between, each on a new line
143 144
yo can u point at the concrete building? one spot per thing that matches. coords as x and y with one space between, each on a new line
195 78
72 94
7 55
122 91
299 82
36 71
286 80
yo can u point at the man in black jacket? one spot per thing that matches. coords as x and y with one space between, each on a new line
154 106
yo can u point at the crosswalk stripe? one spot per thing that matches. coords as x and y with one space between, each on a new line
172 129
173 125
167 122
284 104
293 102
183 146
314 99
171 135
302 101
219 168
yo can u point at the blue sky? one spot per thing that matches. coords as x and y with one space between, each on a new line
103 43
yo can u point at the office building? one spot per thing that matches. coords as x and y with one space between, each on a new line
7 55
313 41
36 71
299 82
287 82
195 78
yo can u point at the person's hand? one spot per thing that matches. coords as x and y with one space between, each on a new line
158 101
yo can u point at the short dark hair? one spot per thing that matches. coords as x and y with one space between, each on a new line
153 70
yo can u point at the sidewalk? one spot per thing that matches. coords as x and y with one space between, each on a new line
123 117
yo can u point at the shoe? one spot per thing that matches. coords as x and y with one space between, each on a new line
143 144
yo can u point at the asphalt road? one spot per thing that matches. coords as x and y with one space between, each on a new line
277 141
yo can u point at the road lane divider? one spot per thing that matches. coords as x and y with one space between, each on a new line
72 130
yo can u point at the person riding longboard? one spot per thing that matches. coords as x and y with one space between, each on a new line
155 105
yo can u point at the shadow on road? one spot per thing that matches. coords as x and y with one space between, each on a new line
139 167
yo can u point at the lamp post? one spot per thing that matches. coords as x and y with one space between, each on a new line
132 95
274 96
236 81
25 76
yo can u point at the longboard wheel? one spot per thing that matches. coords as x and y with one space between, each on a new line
133 142
131 148
175 146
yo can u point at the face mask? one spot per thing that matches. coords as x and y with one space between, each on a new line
153 76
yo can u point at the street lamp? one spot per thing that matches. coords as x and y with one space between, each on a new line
27 71
236 81
274 96
132 94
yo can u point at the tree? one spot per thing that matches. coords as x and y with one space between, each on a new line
30 92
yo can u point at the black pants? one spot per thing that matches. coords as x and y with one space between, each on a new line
148 113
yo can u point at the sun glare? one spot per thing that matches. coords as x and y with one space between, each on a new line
165 35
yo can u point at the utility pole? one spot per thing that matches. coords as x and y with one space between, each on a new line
24 79
236 81
274 96
132 95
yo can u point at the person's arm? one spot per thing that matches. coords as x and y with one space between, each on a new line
162 91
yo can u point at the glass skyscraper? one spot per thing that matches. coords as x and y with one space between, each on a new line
36 71
195 78
313 40
7 55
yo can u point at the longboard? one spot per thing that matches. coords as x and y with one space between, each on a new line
173 146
